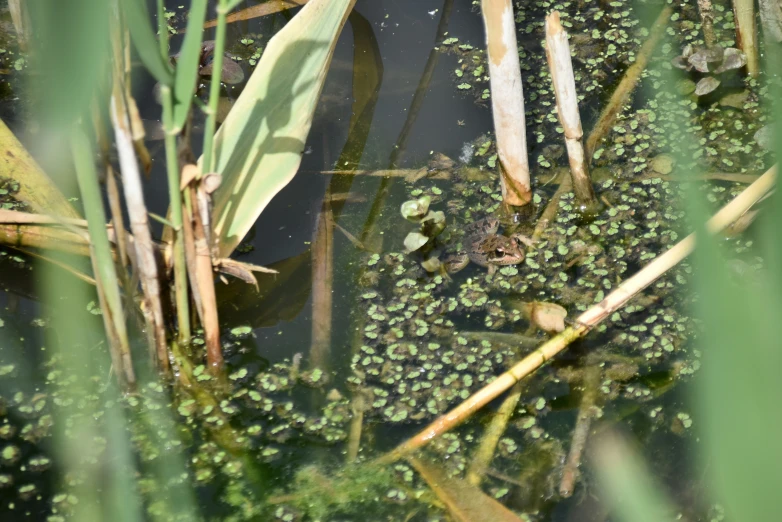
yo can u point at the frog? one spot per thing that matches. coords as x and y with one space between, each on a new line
486 248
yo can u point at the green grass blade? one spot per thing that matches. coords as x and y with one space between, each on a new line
630 491
187 65
258 148
145 41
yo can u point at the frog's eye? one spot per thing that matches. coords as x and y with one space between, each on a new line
499 252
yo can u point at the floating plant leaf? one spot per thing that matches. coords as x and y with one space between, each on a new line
414 241
732 59
431 265
705 56
435 222
680 62
415 209
549 317
662 164
706 85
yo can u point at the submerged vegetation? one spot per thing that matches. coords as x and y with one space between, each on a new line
137 400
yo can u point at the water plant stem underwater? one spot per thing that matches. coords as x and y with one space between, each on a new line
585 322
628 83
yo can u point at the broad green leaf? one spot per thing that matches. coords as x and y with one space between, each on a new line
258 148
187 65
145 41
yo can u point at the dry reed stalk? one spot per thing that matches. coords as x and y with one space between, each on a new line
507 101
45 237
558 55
628 83
118 222
586 413
204 270
746 33
139 223
585 322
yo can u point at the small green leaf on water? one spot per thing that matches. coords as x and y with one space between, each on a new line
415 209
414 241
241 331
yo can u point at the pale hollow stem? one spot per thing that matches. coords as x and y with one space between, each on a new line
561 67
746 33
507 101
175 195
214 89
139 223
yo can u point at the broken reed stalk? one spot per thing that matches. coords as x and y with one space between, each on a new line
507 101
558 56
139 223
585 322
102 260
627 85
586 413
204 270
746 33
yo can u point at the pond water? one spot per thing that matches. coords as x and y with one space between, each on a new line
405 345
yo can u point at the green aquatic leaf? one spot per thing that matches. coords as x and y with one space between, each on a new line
414 241
259 146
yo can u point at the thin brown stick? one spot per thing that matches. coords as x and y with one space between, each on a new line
627 85
586 413
584 322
